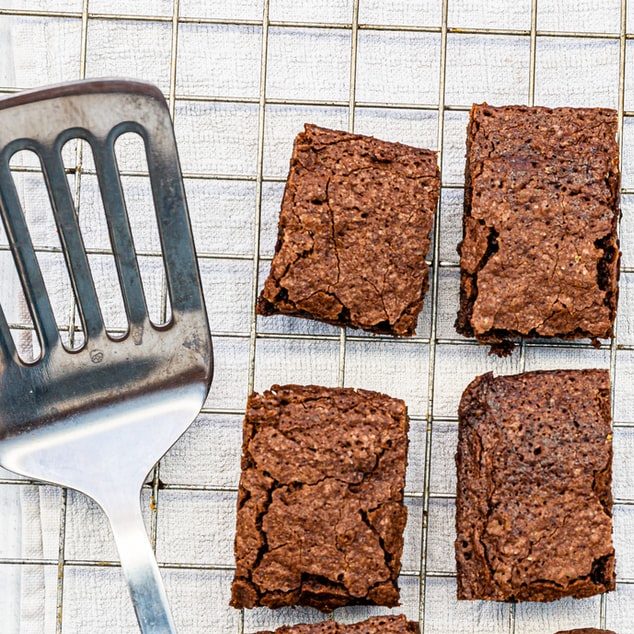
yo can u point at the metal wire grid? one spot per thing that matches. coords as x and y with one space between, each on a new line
436 264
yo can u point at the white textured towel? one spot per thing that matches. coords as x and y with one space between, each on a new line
222 137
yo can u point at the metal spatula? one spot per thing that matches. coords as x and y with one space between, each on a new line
98 419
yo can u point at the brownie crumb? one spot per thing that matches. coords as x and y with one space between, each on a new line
540 254
320 505
354 231
534 502
375 625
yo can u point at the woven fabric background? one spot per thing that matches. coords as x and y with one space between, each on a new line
241 77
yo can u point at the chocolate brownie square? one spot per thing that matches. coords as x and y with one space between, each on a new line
320 504
539 255
534 502
354 232
375 625
586 630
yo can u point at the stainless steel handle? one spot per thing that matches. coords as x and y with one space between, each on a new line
139 567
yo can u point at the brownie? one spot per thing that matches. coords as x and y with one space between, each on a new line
320 505
534 502
539 255
586 630
375 625
353 232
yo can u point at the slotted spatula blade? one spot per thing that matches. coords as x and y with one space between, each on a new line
97 419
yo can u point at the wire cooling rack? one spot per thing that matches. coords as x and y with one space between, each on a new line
240 78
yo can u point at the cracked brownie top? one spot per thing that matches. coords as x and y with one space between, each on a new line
539 255
375 625
320 506
354 232
534 505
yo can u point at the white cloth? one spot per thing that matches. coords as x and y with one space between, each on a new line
219 137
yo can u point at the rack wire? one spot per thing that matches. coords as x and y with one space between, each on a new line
424 572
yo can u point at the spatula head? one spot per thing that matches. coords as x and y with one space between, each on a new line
114 406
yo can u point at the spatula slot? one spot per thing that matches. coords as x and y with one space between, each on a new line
130 152
34 199
16 311
94 231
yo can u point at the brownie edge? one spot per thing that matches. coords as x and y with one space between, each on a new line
354 231
534 501
321 513
586 630
375 625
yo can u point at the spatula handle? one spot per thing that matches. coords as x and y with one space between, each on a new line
140 568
